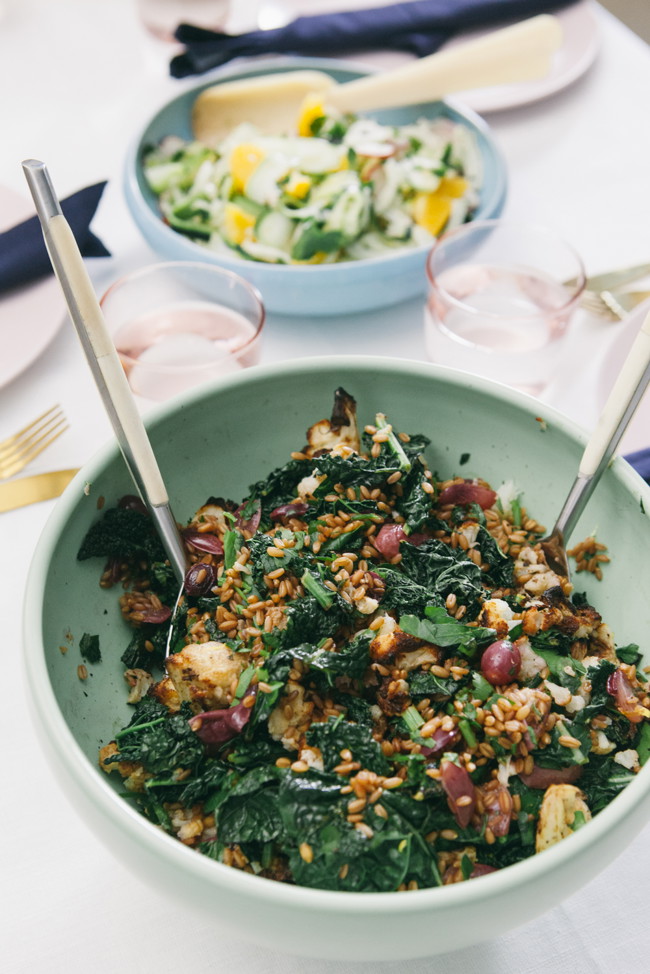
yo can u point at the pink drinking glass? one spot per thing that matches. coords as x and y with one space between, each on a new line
179 324
500 299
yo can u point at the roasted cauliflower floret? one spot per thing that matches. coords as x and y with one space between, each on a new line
553 609
399 647
340 430
203 673
557 814
139 681
496 614
533 574
133 773
165 692
280 720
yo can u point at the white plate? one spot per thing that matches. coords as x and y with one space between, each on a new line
637 435
581 44
30 315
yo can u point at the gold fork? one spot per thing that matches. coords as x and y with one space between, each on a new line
25 445
614 305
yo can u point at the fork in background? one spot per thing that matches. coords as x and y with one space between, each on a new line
25 445
614 305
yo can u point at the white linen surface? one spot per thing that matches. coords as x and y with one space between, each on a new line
76 77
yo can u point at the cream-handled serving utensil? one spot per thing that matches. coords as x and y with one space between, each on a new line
104 362
522 52
625 396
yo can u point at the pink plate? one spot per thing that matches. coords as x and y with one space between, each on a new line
31 315
637 435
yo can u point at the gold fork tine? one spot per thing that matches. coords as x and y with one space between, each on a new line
614 305
26 448
23 445
20 464
26 430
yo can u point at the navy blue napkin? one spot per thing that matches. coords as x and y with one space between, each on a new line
23 255
641 463
419 27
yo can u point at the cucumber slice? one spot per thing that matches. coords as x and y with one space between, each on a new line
248 205
262 186
274 229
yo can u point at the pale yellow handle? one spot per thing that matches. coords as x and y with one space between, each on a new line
119 401
619 400
522 52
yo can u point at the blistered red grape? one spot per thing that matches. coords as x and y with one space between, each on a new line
500 662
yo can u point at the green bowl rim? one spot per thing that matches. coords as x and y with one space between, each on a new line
77 765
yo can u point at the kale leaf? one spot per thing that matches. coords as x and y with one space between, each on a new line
425 684
250 811
602 780
336 735
443 630
89 648
443 571
280 487
404 595
161 745
308 621
501 567
415 503
314 811
207 784
122 533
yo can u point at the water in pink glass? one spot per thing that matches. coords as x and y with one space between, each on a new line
502 323
169 350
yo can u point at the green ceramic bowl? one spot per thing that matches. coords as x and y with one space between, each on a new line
219 440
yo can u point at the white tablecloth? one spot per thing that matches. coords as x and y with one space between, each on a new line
77 76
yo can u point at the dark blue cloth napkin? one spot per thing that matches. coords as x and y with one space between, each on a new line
641 463
419 27
23 255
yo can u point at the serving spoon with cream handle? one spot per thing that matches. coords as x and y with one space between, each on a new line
621 404
273 102
104 362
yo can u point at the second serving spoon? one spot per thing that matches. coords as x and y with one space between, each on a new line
625 396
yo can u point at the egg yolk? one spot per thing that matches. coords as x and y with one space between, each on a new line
298 185
311 109
454 186
431 211
244 160
237 223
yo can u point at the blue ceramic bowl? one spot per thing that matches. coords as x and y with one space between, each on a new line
313 290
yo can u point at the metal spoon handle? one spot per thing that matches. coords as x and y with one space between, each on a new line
103 360
623 400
